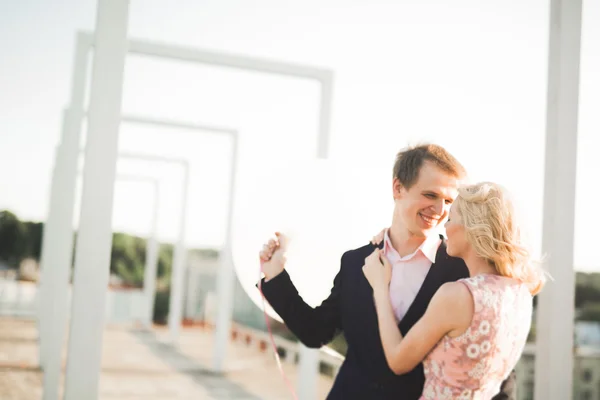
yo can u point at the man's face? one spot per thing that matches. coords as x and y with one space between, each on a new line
426 205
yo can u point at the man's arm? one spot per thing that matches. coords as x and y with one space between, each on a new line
314 327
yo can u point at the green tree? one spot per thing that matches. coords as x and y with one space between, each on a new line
165 263
13 239
34 239
128 257
586 294
590 312
531 335
161 307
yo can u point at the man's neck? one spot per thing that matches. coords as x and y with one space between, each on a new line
403 241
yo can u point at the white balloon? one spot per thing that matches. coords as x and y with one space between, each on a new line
324 207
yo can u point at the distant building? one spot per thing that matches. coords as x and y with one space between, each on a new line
200 294
200 281
586 374
587 333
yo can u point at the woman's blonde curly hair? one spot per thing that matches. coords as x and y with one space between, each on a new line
488 215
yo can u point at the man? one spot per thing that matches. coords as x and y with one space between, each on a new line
424 185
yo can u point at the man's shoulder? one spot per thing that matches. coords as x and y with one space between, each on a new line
359 253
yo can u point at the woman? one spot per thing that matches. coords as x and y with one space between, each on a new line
474 330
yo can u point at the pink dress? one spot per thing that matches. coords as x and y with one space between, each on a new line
474 364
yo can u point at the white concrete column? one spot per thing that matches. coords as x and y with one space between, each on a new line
191 298
94 240
555 314
325 114
57 239
308 373
179 265
54 296
226 275
224 305
40 306
308 369
151 263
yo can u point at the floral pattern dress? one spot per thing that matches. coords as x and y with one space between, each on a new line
474 365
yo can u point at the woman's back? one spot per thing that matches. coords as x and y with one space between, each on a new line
474 364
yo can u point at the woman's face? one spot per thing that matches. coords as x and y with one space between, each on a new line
457 244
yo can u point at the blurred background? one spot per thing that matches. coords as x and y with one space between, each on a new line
468 75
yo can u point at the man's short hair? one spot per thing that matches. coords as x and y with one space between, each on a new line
410 160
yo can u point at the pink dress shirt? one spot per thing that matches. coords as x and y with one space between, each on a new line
409 272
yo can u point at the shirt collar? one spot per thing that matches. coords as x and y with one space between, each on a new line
429 247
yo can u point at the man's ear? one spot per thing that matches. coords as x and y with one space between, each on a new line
397 189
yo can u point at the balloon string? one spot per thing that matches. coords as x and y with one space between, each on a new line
272 339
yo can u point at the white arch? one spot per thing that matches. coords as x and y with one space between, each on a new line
93 243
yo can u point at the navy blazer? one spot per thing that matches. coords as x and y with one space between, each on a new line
350 309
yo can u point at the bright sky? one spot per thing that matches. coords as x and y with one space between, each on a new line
469 75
